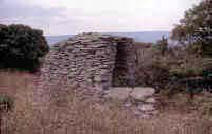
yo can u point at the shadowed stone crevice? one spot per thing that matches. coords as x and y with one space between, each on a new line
123 74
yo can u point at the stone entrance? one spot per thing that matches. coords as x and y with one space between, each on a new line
123 74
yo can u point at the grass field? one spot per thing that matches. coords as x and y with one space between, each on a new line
67 114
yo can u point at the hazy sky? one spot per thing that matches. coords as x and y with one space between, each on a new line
60 17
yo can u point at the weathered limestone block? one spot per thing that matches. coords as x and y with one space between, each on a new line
119 94
142 94
146 108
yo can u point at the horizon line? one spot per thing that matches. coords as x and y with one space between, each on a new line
111 32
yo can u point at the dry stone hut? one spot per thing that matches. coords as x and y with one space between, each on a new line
91 60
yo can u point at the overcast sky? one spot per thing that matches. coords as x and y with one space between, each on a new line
62 17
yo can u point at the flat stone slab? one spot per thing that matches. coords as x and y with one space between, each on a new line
150 100
119 93
146 107
142 94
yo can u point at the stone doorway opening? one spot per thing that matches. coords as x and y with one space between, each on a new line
123 74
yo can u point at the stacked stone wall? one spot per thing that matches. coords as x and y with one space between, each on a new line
91 61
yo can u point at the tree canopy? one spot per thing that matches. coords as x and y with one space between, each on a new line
196 26
21 47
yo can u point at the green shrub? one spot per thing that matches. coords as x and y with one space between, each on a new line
6 103
182 73
21 47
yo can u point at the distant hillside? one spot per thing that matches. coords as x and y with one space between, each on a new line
145 36
55 39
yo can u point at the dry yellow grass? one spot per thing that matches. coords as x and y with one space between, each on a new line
67 114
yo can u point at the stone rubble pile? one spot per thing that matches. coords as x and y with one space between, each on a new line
140 101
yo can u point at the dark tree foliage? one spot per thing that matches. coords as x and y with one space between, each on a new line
196 27
21 47
163 44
